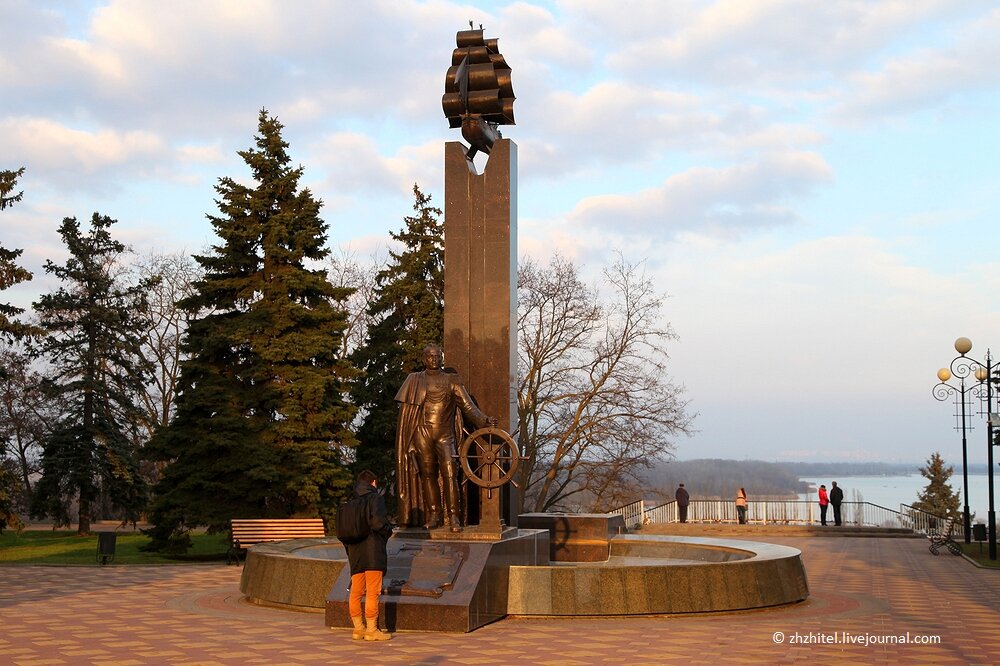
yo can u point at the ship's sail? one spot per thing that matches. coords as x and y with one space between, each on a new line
478 93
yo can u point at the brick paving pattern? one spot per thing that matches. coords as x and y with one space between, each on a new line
194 615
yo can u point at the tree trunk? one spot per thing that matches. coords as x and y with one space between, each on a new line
84 517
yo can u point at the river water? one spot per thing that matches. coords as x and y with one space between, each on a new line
891 491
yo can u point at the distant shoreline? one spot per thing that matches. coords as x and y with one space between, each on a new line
845 468
721 478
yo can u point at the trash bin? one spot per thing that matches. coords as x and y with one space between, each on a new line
979 534
106 547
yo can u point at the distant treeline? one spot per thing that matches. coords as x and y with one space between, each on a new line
870 468
716 478
710 478
851 468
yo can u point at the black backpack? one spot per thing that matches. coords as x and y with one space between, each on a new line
352 520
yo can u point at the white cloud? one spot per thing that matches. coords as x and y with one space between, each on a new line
618 123
194 65
202 154
538 39
71 155
726 201
929 77
103 65
750 44
354 166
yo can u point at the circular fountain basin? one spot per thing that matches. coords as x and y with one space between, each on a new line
644 574
296 574
653 574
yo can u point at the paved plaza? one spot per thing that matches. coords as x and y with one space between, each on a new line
862 589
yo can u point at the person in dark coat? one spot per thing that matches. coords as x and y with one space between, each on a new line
369 560
683 499
836 497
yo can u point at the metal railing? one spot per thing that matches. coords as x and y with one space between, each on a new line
633 513
919 520
664 513
781 512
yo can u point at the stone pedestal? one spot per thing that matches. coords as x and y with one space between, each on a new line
576 537
445 581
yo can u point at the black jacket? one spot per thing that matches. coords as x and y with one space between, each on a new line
836 496
370 554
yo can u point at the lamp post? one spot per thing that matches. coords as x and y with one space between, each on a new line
990 418
962 367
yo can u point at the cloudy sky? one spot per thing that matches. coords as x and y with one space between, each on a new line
814 184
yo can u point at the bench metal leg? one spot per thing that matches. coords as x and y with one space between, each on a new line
233 554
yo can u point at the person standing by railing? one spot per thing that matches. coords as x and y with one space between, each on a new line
683 499
836 497
823 502
741 506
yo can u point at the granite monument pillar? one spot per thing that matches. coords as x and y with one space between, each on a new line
480 247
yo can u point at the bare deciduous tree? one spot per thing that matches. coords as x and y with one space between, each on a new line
27 417
347 270
172 276
595 404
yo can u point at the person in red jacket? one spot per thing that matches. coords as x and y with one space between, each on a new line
823 502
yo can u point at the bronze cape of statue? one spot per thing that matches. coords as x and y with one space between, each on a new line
432 404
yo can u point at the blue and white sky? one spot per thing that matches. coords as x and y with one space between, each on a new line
814 184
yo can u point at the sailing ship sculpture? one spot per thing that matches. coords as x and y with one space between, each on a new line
478 94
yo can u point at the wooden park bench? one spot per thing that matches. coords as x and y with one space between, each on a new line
249 531
943 538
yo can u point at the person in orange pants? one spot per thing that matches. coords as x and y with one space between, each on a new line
369 560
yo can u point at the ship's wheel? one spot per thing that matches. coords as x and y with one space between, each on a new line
489 457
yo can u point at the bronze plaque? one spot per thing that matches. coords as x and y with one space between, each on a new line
425 569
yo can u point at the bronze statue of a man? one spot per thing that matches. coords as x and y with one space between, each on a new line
431 406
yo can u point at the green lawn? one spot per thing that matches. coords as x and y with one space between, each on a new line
65 547
980 553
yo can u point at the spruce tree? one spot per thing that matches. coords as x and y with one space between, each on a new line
10 272
938 497
10 330
262 416
408 314
92 324
8 181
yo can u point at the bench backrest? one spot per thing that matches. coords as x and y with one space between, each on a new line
249 531
948 526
